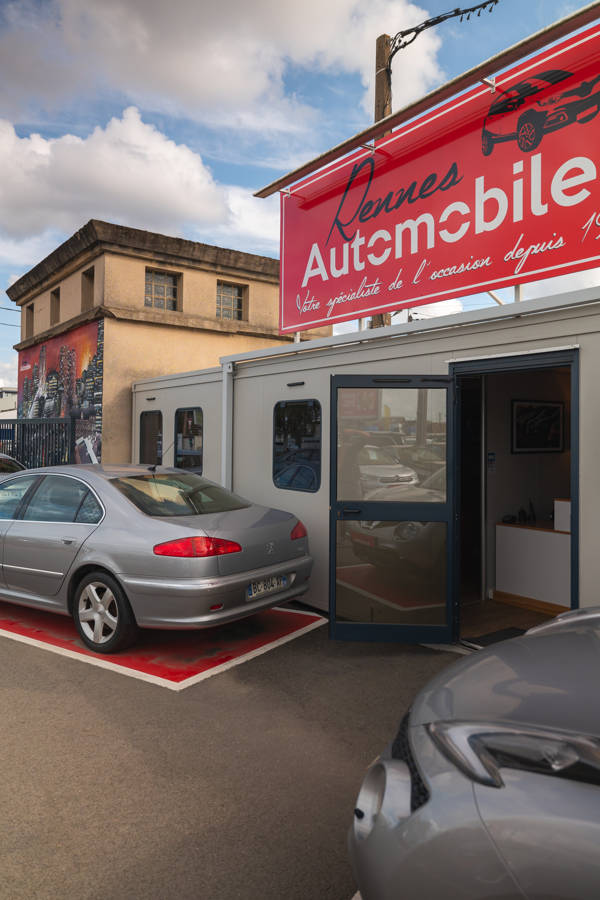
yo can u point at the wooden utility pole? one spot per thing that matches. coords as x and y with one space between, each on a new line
383 108
383 77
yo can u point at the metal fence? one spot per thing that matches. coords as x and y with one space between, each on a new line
38 442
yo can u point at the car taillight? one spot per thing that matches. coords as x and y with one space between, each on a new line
197 546
298 531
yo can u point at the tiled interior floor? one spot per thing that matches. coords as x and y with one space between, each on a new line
481 618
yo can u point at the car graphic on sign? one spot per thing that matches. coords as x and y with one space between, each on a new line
541 103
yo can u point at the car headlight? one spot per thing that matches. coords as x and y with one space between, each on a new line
385 793
407 531
480 750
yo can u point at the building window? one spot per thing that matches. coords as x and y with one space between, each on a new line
161 290
151 438
188 438
29 321
297 445
230 301
87 289
55 307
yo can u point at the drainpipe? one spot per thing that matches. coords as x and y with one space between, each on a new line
227 424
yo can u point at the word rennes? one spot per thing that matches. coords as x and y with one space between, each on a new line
491 206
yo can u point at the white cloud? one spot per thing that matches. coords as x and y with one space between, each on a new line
433 310
127 172
561 284
28 251
221 63
252 225
8 371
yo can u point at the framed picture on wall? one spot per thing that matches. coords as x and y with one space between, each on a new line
537 427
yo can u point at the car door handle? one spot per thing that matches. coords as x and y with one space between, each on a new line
68 540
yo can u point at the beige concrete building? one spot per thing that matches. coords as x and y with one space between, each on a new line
113 305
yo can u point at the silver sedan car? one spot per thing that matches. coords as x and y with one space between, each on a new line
135 546
491 788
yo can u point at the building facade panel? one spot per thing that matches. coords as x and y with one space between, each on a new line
62 378
157 299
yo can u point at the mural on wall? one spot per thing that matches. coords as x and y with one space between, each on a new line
63 378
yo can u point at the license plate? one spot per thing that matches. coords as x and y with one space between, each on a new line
266 586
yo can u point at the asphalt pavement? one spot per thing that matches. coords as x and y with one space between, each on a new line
241 786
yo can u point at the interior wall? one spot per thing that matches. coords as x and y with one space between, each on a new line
514 479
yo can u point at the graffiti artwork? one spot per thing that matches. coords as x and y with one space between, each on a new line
63 378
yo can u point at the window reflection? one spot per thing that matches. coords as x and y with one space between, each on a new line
391 572
151 437
297 445
189 438
392 445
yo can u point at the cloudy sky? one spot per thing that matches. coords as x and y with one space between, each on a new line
168 116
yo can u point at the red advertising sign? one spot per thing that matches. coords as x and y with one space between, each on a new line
494 188
361 404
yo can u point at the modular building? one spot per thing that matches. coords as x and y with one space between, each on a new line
446 470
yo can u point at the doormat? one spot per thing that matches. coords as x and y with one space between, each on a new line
171 659
484 640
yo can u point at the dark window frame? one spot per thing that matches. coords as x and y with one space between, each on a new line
305 460
55 307
236 306
154 288
176 452
29 320
87 289
29 492
159 438
31 495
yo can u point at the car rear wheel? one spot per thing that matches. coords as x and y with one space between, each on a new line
487 143
529 132
102 614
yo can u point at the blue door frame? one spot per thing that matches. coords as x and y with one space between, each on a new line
447 512
367 510
531 362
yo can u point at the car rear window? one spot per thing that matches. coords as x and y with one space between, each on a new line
162 494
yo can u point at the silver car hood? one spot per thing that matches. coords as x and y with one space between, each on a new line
548 678
387 469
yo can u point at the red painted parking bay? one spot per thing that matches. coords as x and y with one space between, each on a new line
173 659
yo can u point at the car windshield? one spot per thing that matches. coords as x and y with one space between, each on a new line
378 456
177 494
9 465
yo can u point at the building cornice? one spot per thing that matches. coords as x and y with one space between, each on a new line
96 237
148 317
98 312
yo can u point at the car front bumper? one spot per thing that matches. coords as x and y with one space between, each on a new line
429 843
186 602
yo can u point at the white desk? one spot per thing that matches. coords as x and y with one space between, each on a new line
533 564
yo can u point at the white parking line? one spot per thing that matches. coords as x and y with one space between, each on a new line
156 679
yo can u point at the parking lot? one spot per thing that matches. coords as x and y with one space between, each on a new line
240 786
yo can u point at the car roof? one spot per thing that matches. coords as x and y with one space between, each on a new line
116 470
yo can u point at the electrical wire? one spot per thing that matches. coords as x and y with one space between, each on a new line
406 37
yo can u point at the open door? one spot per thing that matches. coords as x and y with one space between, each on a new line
392 508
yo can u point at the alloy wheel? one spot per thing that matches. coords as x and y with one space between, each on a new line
98 612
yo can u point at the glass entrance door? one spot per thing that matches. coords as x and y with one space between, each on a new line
391 534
